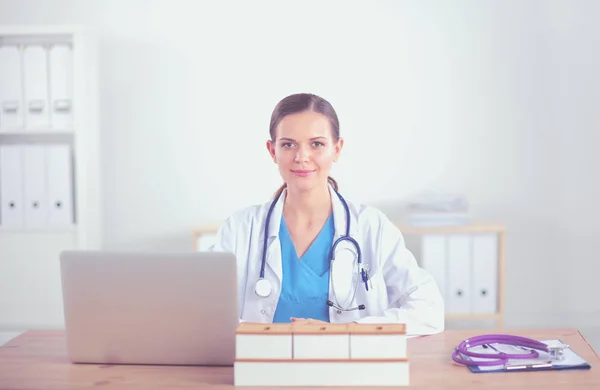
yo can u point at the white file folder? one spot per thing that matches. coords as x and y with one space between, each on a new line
11 186
459 274
433 260
60 197
61 95
11 89
485 273
35 65
34 186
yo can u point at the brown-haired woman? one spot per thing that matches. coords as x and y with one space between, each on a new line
308 254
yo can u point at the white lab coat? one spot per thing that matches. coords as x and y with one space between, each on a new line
400 291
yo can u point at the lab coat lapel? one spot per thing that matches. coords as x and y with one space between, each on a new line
339 216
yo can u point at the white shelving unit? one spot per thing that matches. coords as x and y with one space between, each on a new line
468 264
49 166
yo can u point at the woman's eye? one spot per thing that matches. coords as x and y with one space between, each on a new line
318 144
287 144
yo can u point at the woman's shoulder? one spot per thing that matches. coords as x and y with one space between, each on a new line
374 221
247 214
367 213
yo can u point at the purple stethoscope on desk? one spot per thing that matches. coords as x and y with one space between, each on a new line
555 352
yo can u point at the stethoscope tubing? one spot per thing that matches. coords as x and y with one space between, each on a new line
345 237
266 236
501 357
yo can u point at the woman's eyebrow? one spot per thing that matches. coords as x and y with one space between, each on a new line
291 139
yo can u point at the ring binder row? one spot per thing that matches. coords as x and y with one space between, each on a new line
36 100
467 267
36 186
36 87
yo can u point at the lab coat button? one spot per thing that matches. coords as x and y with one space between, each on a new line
263 312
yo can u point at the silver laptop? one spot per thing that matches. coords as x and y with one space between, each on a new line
150 308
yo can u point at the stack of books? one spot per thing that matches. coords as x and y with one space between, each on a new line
321 355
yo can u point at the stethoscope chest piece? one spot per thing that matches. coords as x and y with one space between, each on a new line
557 352
262 288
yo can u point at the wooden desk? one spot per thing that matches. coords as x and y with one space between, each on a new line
38 360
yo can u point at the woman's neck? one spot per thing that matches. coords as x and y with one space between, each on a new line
308 206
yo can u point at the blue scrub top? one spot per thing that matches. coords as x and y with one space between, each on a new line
305 285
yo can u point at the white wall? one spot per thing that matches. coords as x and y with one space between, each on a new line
494 99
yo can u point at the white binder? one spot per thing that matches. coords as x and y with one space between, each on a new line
485 273
11 186
60 196
459 274
433 260
61 87
34 177
11 89
35 74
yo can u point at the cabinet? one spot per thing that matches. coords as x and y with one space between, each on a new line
49 166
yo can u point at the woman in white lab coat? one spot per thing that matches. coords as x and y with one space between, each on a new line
297 281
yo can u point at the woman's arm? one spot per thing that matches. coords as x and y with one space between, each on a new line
414 297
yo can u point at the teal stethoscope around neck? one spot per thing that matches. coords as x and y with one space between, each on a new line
263 287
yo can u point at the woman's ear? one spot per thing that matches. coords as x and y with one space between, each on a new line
271 149
338 149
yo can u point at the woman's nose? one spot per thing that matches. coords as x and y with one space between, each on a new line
301 158
302 155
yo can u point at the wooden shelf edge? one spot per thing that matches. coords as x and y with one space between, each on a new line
211 229
452 316
472 228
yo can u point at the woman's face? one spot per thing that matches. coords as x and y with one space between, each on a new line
304 150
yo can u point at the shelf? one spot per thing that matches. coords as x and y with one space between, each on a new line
36 138
40 131
48 230
41 32
49 34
